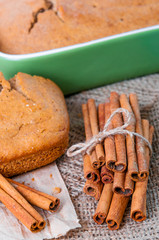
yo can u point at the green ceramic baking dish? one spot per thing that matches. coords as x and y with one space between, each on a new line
88 65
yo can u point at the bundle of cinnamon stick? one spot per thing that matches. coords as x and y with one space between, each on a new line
117 168
17 198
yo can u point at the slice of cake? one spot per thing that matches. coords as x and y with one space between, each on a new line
34 123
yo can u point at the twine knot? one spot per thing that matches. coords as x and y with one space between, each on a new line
88 146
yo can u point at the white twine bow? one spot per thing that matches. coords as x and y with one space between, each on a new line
88 146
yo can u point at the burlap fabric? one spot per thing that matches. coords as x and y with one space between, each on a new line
147 90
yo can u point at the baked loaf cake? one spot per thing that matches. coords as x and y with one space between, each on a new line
34 123
28 26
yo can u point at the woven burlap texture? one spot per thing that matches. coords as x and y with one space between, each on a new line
147 90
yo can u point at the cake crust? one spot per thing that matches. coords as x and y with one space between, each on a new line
34 123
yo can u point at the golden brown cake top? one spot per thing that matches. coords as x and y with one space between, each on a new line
33 115
28 26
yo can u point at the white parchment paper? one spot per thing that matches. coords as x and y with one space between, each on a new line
57 224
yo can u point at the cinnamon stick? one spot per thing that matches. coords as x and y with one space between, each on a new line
103 204
90 173
140 148
117 121
107 176
101 116
95 130
138 204
130 140
93 189
123 184
9 193
37 198
116 211
19 212
88 132
109 143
